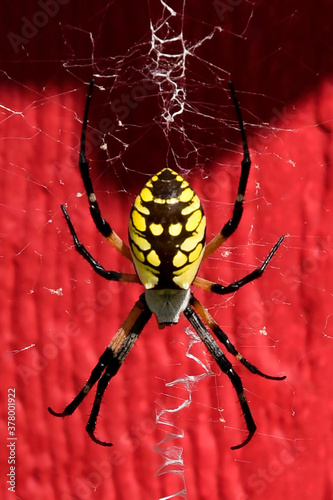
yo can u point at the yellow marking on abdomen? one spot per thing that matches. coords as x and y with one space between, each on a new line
147 277
139 221
138 205
186 195
191 242
175 229
195 254
179 259
140 241
169 201
156 229
193 221
137 254
146 194
153 258
184 277
194 205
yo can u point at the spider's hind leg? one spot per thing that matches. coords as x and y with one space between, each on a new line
109 363
105 360
121 345
227 368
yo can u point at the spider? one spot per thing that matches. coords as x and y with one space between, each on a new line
167 229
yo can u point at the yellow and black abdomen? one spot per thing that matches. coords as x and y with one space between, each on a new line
167 232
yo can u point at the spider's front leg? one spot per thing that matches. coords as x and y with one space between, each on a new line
101 224
230 227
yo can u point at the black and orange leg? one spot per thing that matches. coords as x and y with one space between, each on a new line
223 338
98 268
109 364
226 367
232 224
223 290
101 224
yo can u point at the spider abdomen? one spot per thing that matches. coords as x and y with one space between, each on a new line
167 232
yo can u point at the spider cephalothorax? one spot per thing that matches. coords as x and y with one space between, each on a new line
167 228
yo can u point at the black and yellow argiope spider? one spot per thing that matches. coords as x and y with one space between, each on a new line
167 230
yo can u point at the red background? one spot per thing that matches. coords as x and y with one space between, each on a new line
279 55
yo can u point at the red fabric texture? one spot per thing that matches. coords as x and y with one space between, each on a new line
58 315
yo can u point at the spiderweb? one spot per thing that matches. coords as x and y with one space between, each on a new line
161 98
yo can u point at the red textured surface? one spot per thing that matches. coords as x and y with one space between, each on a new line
282 68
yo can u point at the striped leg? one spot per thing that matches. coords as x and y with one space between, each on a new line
223 338
109 363
226 367
98 268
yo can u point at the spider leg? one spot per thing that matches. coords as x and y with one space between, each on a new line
109 363
222 290
231 226
110 371
101 224
98 268
106 359
121 347
223 338
227 368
